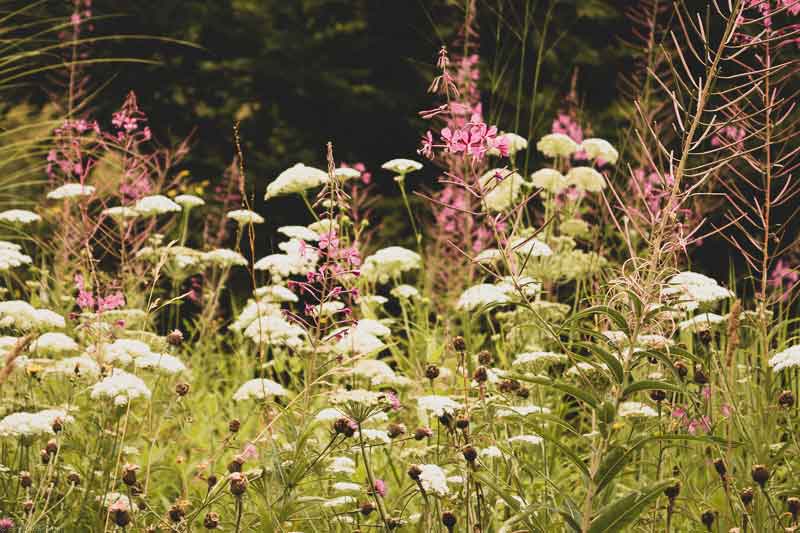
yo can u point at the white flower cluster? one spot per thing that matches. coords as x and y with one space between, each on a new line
701 322
276 331
296 179
482 295
160 362
75 366
433 479
537 361
23 316
244 217
437 405
401 166
636 410
258 389
390 263
54 343
120 387
223 258
297 259
25 424
157 204
70 190
19 216
788 358
11 256
362 338
502 189
691 289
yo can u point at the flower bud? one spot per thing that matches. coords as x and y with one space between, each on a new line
760 474
344 426
523 392
432 372
658 395
673 491
707 519
719 466
58 425
234 425
480 375
73 478
177 512
211 481
681 368
238 483
786 399
470 454
44 456
422 433
175 337
395 430
449 520
120 515
793 504
414 472
182 389
746 495
211 520
129 474
25 479
236 464
699 375
485 358
366 508
459 344
462 422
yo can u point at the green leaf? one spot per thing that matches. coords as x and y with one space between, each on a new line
614 461
615 316
648 384
565 449
616 515
611 361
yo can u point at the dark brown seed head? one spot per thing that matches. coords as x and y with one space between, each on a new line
705 337
177 512
73 478
182 389
707 519
719 466
51 447
681 368
462 422
480 375
760 474
212 481
25 479
793 504
747 495
786 399
414 471
459 344
58 425
366 508
432 372
449 520
211 521
673 491
234 425
699 375
238 483
485 358
44 456
236 464
658 395
422 433
129 474
27 506
470 454
344 426
395 430
121 517
523 392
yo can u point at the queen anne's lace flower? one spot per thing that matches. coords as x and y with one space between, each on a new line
538 361
53 343
530 247
299 232
515 143
550 180
245 216
361 397
636 410
23 316
586 179
373 436
120 212
121 351
276 331
481 295
155 205
600 148
342 465
557 145
296 179
275 293
70 190
161 362
404 292
75 366
533 440
701 322
189 201
346 173
121 387
223 257
19 216
521 410
25 424
11 258
438 405
389 263
788 358
433 480
502 189
401 166
691 289
259 389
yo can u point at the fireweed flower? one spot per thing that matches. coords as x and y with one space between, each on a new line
70 190
514 143
19 216
557 145
295 180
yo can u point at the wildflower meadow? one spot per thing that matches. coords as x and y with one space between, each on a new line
532 320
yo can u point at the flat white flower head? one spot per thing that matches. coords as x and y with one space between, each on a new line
601 148
19 216
502 189
120 387
550 180
401 166
295 180
244 217
586 179
481 295
70 190
557 145
160 362
189 201
390 263
157 204
433 480
259 389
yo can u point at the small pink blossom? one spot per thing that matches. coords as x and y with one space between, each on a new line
380 487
